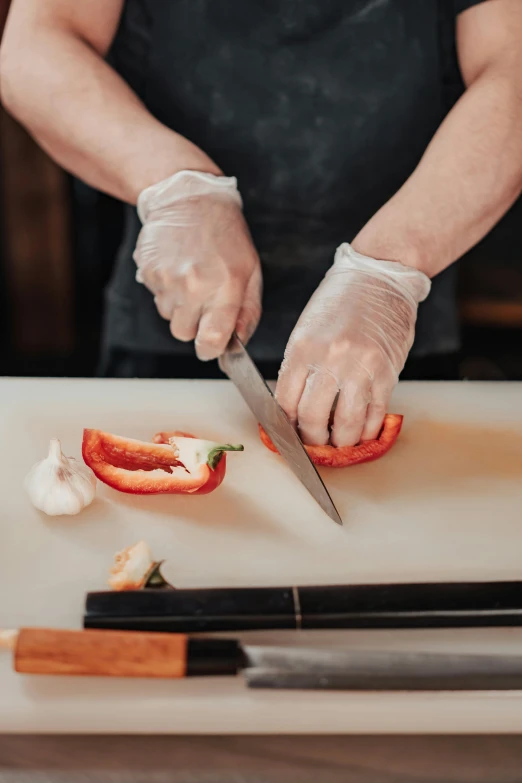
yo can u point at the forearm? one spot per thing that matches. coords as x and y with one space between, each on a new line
87 118
468 178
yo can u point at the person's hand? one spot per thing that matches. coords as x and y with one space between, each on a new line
348 348
195 254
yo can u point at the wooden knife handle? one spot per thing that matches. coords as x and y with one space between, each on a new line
101 653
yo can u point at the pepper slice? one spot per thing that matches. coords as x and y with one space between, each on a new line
331 457
181 464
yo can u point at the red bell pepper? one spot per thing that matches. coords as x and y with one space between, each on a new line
329 456
177 465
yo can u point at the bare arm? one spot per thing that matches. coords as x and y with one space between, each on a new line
55 82
471 172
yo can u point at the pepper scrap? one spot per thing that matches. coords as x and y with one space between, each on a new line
332 457
182 464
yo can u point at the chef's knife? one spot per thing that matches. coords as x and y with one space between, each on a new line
385 671
223 609
237 364
150 655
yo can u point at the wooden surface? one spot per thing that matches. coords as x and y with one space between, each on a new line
100 653
488 312
444 504
245 759
38 261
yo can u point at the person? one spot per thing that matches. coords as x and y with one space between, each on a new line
258 141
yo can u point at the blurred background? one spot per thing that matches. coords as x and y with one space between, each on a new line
58 239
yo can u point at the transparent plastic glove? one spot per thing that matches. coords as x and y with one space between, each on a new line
348 348
195 254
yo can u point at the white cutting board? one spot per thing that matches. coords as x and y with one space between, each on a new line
445 504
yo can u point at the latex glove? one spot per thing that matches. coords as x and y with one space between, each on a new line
349 346
195 254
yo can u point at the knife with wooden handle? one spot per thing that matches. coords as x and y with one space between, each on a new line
175 656
120 653
237 364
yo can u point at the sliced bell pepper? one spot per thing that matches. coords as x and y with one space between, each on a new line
181 464
331 457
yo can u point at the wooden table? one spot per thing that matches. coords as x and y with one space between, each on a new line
283 759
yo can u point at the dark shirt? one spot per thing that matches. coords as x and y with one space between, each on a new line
320 109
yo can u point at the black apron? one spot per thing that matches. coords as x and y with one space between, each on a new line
320 109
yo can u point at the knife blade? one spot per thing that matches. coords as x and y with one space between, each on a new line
239 367
381 671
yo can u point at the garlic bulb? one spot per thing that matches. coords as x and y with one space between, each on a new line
60 485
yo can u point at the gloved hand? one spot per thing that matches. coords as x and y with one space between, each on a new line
195 254
349 345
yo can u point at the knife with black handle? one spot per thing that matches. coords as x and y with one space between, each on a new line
203 610
239 367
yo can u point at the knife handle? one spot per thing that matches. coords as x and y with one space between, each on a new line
123 654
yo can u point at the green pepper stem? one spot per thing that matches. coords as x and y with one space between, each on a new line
154 578
215 454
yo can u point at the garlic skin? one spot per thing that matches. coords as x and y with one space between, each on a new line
131 567
60 485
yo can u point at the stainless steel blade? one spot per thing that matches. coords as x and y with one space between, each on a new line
337 681
237 364
359 670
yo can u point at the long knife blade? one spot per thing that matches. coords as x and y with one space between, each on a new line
237 364
308 669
